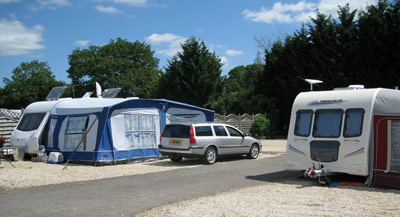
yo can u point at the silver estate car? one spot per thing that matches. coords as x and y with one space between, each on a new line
206 141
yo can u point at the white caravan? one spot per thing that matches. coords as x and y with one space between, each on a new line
31 129
336 128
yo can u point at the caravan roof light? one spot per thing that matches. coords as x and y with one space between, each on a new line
110 93
55 93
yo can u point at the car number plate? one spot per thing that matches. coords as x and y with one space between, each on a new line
176 142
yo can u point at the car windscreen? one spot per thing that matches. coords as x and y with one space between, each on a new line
30 121
177 131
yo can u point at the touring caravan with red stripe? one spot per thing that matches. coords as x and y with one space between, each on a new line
347 130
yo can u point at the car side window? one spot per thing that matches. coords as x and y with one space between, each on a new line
233 132
220 131
203 131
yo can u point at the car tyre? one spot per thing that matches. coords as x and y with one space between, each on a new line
254 152
210 157
175 158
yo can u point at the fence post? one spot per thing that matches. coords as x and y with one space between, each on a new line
252 126
240 128
224 117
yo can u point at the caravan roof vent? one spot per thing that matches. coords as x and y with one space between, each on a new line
351 87
55 93
87 95
356 86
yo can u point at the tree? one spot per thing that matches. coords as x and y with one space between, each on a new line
30 82
120 63
339 52
239 94
192 76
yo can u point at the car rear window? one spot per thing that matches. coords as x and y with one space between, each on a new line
177 131
203 131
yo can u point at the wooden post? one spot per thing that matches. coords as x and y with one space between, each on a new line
239 122
252 125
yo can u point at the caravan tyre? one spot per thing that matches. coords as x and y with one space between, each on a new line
175 158
254 152
210 156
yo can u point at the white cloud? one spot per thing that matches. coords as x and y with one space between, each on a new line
281 13
9 1
81 43
16 39
233 53
170 43
51 4
331 6
137 3
110 10
301 11
224 61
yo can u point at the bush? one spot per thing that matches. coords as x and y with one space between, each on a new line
262 127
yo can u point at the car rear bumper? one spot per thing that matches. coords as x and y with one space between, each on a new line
191 151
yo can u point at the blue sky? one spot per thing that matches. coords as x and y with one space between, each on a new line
49 30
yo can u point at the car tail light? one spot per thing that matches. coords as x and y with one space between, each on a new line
161 136
192 139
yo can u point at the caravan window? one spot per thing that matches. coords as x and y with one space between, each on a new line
327 123
353 122
303 123
30 121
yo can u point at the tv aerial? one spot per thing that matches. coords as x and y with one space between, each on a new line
311 81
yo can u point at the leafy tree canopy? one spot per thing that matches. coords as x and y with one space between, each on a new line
192 76
120 63
239 94
30 82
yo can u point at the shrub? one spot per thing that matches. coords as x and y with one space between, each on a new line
262 127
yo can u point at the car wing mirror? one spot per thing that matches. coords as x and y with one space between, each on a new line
244 134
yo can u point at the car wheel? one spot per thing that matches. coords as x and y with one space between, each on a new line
175 158
210 156
254 152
